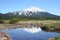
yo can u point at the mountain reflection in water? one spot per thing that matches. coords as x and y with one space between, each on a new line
33 33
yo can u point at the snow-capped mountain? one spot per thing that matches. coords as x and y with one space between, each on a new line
34 9
32 12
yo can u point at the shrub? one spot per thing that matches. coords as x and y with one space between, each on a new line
57 38
1 22
23 19
14 20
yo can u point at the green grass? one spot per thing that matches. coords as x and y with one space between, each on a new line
45 23
48 23
6 21
51 23
57 38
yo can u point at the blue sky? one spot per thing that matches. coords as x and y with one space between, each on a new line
51 6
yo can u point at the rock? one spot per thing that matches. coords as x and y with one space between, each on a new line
4 36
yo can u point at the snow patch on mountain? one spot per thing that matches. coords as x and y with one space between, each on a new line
34 9
29 10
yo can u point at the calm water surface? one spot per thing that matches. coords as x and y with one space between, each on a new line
30 34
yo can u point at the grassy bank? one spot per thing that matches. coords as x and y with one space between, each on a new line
40 23
51 23
48 23
56 38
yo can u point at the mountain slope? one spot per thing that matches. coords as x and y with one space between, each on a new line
32 12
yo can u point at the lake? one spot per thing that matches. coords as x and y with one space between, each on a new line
32 33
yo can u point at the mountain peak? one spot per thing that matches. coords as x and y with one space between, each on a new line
34 9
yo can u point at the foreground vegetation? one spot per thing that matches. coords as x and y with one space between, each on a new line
45 24
56 38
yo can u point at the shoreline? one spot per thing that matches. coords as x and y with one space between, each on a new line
55 38
45 28
4 36
51 25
